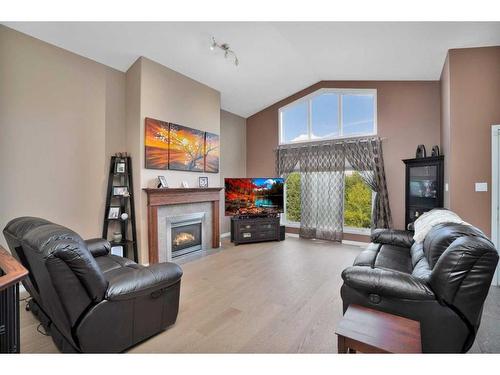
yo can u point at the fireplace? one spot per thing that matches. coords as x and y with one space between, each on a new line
185 239
184 234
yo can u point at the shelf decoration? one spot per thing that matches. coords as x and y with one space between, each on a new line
119 213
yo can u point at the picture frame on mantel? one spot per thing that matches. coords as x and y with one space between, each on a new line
162 182
203 182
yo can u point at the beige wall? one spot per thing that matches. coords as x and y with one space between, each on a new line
62 116
408 115
59 121
233 147
474 96
115 112
158 92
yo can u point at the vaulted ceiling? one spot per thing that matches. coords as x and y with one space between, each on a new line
276 59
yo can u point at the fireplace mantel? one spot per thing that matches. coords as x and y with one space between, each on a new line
167 196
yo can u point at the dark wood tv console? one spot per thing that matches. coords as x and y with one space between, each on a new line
254 229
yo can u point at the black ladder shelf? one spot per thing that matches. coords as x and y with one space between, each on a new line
119 177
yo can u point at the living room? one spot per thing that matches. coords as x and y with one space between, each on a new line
214 187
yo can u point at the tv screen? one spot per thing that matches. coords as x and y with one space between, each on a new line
253 196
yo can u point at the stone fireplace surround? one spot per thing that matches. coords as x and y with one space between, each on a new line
164 202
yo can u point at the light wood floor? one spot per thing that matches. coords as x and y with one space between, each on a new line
274 297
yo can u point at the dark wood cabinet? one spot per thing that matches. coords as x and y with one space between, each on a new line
255 229
424 186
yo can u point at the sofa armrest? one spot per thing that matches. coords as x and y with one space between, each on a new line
394 237
98 246
137 281
387 283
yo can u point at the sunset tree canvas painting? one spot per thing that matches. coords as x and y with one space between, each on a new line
186 148
156 144
212 152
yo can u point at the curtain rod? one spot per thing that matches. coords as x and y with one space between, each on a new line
329 141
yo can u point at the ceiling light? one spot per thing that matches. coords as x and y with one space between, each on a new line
226 48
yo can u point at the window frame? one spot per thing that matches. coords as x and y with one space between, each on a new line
308 98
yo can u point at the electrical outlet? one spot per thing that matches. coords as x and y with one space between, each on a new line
481 186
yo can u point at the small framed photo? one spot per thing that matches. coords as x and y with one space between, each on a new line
117 250
120 166
162 182
114 212
203 182
120 191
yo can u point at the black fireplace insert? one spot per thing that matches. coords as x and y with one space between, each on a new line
185 238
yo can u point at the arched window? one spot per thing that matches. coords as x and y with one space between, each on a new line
329 114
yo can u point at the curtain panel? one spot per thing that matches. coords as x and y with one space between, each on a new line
365 156
322 167
322 192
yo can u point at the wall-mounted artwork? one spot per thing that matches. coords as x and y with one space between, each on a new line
177 147
186 148
212 152
156 144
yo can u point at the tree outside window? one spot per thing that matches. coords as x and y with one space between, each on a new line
293 197
357 200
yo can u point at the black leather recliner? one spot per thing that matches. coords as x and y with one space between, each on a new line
441 282
89 300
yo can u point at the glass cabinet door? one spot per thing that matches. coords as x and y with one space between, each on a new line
423 184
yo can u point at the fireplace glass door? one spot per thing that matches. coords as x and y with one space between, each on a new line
186 239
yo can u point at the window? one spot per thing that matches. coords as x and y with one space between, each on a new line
358 201
295 123
329 114
292 198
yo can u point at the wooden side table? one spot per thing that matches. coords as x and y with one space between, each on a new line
11 273
372 331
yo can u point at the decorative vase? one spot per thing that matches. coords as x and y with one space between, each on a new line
117 236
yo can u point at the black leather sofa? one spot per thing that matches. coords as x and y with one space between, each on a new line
441 282
86 298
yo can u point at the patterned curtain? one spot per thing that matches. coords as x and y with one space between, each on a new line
322 192
365 156
287 160
321 168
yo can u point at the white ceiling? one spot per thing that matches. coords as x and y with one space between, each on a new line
276 59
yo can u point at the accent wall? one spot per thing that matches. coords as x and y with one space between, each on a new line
156 91
408 115
471 104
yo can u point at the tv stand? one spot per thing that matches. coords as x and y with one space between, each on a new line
255 229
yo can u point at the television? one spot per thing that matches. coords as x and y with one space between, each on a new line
253 196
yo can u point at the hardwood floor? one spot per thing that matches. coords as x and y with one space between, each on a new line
274 297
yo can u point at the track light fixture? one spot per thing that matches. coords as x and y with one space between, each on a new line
227 50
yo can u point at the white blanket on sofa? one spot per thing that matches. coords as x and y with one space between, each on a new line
428 220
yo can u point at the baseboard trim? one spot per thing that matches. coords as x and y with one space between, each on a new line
354 243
